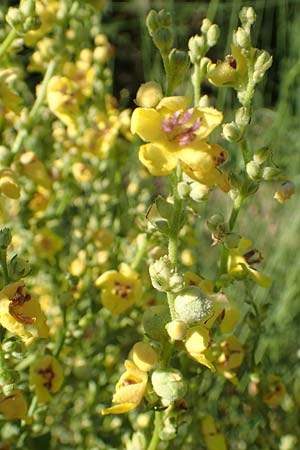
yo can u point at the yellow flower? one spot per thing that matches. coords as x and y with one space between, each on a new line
120 289
9 100
225 312
83 172
34 169
82 74
46 377
214 440
130 390
232 72
39 200
285 191
14 406
47 244
20 313
8 184
143 356
231 357
63 101
78 265
46 10
240 263
276 391
178 133
196 343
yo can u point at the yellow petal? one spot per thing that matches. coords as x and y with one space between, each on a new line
210 119
119 409
158 160
147 123
169 105
259 277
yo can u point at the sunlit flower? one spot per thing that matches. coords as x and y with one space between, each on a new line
120 289
214 440
240 263
63 101
46 377
82 74
47 244
197 343
9 100
231 357
130 390
83 172
21 314
275 391
14 406
39 200
232 72
46 10
78 265
285 191
225 312
175 133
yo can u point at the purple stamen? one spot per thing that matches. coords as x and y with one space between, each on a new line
174 125
187 116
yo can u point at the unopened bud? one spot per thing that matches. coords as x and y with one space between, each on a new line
152 21
144 356
206 24
254 170
177 330
247 15
149 95
18 268
183 189
160 273
165 18
169 385
231 132
199 192
261 155
14 18
242 117
204 101
242 38
31 23
197 48
271 173
163 39
215 221
213 35
262 64
27 7
179 64
191 305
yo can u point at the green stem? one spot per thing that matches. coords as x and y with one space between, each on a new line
3 262
157 428
62 336
245 151
165 58
7 42
197 78
23 132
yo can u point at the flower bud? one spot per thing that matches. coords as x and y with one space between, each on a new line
213 35
177 330
169 385
204 101
199 192
149 95
247 15
179 64
144 356
262 64
242 38
242 117
254 170
27 7
286 190
261 155
206 24
8 184
5 238
14 18
18 268
271 173
164 18
231 132
192 306
163 39
215 222
197 48
183 190
31 23
155 320
160 273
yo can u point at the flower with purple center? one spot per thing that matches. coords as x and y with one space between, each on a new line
176 133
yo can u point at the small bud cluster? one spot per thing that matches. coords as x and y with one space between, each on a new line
24 18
